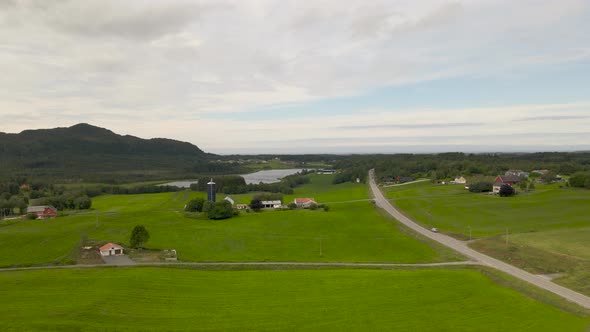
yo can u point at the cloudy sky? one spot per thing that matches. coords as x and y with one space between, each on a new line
304 76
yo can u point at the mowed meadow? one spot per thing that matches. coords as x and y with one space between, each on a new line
454 209
548 228
348 232
156 299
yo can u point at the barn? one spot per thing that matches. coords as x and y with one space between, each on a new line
42 211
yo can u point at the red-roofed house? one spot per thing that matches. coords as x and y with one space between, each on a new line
507 179
111 249
304 202
42 211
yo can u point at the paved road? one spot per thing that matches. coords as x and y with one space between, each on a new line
462 248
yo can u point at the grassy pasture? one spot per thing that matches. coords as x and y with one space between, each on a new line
314 300
352 232
453 209
549 228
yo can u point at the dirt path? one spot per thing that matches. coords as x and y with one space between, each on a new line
482 259
277 264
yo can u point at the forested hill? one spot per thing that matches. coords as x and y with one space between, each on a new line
86 151
87 139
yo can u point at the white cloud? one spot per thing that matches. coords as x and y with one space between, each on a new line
129 64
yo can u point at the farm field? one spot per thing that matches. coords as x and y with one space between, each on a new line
549 228
328 300
454 209
351 232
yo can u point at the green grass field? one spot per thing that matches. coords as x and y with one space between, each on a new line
157 299
549 228
351 232
454 209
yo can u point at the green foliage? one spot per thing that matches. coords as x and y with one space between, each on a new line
326 208
506 191
481 187
256 204
32 216
139 236
313 206
208 206
195 205
221 210
580 180
292 206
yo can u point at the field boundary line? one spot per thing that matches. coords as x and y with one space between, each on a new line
204 264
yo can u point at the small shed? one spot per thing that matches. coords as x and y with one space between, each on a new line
111 249
229 199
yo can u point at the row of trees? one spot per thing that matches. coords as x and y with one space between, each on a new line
448 165
580 180
235 184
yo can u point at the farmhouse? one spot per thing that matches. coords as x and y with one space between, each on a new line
496 187
326 171
271 204
111 249
227 198
304 202
459 179
42 211
241 206
507 179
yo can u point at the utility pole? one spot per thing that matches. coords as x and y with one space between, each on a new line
506 237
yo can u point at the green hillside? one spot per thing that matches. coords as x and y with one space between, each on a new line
93 153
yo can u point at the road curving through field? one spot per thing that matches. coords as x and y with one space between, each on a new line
482 259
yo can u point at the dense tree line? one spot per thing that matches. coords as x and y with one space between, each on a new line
235 184
448 165
580 180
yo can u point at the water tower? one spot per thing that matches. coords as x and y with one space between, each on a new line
211 191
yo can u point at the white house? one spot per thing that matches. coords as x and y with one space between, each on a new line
227 198
497 186
460 179
271 204
111 249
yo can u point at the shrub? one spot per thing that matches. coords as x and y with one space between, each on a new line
506 191
313 206
221 210
292 206
195 205
256 204
326 208
481 187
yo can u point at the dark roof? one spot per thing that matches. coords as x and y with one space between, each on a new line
509 178
40 208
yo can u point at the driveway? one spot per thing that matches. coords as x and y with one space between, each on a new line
118 260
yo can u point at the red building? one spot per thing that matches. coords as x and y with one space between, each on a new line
42 211
507 179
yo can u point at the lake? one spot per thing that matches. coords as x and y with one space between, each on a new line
269 176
